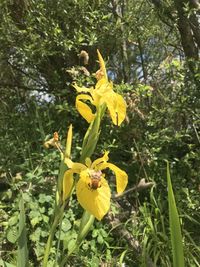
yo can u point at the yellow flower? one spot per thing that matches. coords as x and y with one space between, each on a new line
102 94
92 189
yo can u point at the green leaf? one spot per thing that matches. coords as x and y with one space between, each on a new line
6 264
175 228
12 235
71 244
35 221
22 255
66 225
122 256
100 239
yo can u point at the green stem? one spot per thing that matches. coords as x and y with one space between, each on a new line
92 135
88 147
58 245
85 140
58 213
51 235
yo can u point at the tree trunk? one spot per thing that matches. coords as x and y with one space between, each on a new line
187 39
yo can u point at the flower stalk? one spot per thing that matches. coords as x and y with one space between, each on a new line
91 137
55 223
92 189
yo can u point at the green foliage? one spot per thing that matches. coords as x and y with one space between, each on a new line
39 42
22 255
154 231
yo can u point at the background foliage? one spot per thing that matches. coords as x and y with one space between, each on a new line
151 49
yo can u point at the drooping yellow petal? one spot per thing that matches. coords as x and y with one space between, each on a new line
96 163
75 165
83 108
67 183
121 176
97 201
102 64
116 106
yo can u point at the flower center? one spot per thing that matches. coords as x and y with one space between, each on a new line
95 179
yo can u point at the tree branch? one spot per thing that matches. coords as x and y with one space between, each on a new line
11 85
140 186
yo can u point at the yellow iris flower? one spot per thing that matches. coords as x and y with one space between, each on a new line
92 189
102 94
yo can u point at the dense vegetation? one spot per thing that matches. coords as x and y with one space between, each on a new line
151 49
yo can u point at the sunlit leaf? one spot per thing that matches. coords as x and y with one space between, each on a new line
175 228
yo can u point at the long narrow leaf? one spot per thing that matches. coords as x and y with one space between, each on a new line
6 264
22 255
175 229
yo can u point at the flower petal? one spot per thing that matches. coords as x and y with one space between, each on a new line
97 202
103 86
83 108
88 162
77 167
116 106
121 176
81 89
68 182
102 64
96 163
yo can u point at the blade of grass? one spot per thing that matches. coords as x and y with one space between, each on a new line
122 256
175 228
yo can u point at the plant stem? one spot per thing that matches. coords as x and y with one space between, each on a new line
58 245
51 235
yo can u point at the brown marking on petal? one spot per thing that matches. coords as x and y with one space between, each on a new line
117 119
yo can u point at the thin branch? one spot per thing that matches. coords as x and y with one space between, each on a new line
121 231
2 84
141 161
140 186
26 74
142 59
